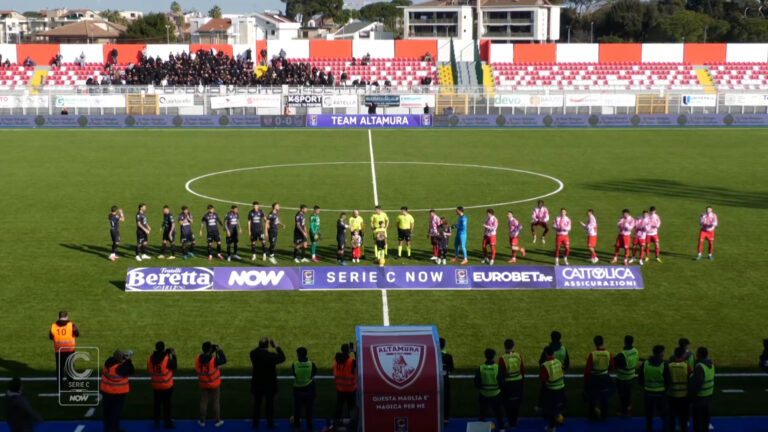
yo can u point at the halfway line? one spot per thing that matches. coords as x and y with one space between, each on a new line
385 307
373 170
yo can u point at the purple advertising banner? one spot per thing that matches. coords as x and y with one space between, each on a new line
369 120
151 121
372 277
598 120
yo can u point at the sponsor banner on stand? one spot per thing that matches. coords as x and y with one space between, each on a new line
23 102
527 101
246 101
373 277
699 100
339 101
305 100
369 120
85 101
383 100
746 99
600 99
417 101
399 378
175 100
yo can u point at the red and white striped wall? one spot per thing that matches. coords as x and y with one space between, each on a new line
42 54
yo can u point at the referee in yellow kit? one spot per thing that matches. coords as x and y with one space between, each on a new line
356 223
405 225
379 216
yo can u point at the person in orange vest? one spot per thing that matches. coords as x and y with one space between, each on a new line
114 387
345 376
63 333
209 378
161 365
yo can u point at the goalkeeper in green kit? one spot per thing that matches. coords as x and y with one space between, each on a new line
314 231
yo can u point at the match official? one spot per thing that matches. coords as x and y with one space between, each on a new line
161 365
264 380
405 226
114 388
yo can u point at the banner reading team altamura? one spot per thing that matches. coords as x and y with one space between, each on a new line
369 120
148 279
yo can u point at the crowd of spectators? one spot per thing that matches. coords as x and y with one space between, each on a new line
280 71
201 68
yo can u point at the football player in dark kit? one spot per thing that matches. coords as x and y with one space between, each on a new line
115 217
256 231
341 237
211 222
232 225
187 236
142 233
273 223
169 234
300 235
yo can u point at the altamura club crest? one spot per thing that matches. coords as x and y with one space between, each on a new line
399 364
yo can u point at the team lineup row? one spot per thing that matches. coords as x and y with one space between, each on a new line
634 234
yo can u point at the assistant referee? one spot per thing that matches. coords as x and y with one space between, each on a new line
405 226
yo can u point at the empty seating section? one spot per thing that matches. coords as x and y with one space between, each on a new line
596 76
400 72
739 76
71 74
15 76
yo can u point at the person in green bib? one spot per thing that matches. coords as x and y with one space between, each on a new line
677 398
553 400
689 357
702 387
513 371
654 376
488 380
598 384
559 352
626 365
303 388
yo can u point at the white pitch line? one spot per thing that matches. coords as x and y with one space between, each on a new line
385 307
373 170
733 391
90 412
80 428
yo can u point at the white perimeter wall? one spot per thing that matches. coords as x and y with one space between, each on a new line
502 53
578 52
8 51
293 48
93 53
377 48
464 50
662 53
163 50
737 52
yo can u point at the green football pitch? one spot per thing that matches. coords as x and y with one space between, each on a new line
58 186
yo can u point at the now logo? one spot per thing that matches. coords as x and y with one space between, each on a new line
254 278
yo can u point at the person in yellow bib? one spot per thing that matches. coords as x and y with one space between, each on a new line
356 224
552 377
488 381
513 371
677 398
405 226
654 377
702 388
598 384
379 217
626 364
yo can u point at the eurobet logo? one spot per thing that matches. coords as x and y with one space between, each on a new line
79 377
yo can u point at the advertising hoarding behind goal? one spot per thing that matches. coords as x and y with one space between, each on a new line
399 379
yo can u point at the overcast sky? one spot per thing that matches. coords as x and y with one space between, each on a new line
227 6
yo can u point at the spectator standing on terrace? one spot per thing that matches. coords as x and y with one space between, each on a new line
81 59
264 380
372 108
428 57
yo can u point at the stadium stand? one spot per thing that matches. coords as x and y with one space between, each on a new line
15 76
739 75
596 76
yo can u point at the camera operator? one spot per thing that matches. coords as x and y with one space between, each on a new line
161 365
345 376
264 380
209 377
114 387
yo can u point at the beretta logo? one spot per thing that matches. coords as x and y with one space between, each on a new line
399 364
169 279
